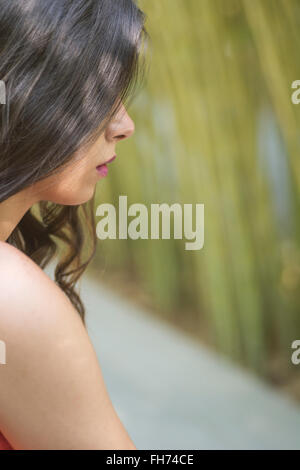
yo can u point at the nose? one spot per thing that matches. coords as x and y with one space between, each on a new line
121 127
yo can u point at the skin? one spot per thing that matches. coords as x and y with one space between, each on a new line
75 184
52 393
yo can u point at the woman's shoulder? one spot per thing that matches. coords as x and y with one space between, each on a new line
27 294
14 262
52 393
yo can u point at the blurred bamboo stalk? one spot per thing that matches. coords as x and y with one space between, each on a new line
216 68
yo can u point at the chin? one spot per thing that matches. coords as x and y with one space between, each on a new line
72 198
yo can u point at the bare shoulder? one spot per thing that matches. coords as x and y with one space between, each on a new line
52 393
18 267
36 316
25 287
10 258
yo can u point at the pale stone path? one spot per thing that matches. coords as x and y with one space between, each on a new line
171 393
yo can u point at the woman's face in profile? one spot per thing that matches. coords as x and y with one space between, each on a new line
75 184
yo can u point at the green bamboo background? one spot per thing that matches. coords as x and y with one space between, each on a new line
215 125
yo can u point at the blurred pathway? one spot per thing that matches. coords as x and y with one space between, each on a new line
171 393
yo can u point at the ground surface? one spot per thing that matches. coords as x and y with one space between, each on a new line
171 393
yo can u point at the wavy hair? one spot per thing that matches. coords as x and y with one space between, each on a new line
67 65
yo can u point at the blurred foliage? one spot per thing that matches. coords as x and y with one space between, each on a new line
215 124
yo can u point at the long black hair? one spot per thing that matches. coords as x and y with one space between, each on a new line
67 65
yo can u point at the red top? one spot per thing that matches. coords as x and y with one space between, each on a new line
4 444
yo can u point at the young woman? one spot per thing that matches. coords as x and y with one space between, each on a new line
68 67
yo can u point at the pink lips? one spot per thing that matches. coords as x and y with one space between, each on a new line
102 169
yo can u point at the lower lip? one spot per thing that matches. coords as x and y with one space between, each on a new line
102 169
